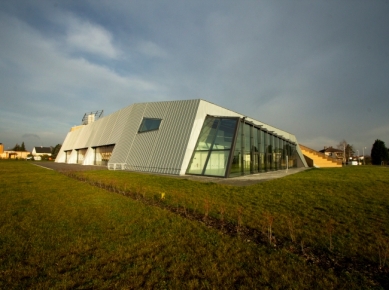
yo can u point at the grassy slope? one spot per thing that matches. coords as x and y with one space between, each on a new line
57 232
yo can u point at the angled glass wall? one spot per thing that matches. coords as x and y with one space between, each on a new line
237 159
213 147
229 147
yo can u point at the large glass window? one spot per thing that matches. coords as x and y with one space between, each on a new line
213 147
149 124
255 149
269 152
247 149
261 150
236 166
282 146
277 157
217 163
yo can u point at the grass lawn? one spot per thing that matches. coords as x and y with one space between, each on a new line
326 228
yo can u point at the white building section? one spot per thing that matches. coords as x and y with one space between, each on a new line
181 137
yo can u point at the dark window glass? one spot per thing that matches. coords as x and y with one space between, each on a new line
149 125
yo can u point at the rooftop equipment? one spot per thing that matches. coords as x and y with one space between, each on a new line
91 117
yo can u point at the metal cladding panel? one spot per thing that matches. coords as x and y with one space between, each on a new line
117 129
62 155
141 150
91 134
136 155
67 142
82 138
169 151
127 136
110 126
73 136
144 143
106 129
97 130
162 150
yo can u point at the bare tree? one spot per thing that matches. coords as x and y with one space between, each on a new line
342 146
348 150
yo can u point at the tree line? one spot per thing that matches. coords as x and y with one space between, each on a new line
379 152
54 150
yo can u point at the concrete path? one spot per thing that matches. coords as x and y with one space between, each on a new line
246 179
237 181
67 167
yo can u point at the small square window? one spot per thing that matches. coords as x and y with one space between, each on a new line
149 124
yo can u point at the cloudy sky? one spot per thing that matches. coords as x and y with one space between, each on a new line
317 69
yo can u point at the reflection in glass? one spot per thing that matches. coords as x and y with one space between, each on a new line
197 163
213 147
236 166
217 163
255 150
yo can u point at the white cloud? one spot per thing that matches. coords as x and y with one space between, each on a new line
91 38
45 88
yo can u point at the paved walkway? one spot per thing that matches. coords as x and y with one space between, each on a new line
246 179
67 167
237 181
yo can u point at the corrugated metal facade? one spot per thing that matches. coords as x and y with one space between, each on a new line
167 150
160 151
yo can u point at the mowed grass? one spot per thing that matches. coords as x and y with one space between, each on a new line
57 232
336 210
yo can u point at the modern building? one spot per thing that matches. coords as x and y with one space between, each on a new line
181 137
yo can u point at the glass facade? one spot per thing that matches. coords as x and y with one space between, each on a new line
229 147
213 147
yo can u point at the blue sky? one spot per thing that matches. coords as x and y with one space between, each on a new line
317 69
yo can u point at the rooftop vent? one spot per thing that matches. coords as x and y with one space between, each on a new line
91 117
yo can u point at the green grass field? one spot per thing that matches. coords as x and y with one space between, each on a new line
322 229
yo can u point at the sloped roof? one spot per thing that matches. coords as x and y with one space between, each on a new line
330 149
43 150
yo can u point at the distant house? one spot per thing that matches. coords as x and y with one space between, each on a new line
333 152
11 154
39 151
